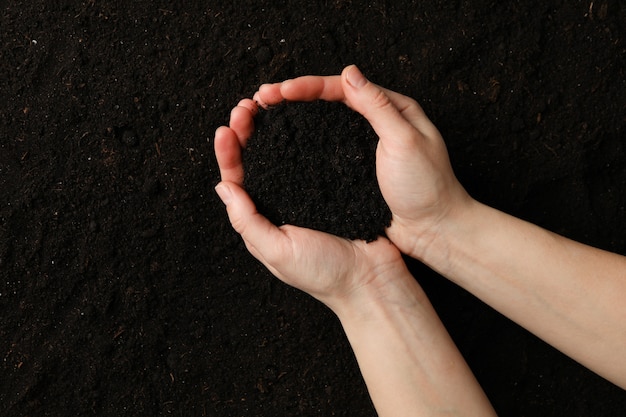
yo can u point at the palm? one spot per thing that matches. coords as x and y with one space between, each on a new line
328 267
417 182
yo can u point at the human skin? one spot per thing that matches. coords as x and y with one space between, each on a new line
408 360
571 295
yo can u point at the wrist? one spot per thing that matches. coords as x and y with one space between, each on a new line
431 240
457 232
388 288
435 245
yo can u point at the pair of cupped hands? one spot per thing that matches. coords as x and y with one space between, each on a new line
414 175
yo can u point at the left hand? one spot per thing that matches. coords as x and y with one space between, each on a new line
334 270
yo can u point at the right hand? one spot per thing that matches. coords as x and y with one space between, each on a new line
412 163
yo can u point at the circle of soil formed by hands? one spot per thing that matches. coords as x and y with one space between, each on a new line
314 165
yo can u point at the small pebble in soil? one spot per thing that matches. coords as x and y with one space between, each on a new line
313 165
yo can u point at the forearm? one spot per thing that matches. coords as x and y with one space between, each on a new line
409 362
571 295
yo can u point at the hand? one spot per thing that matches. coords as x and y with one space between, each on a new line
412 163
334 270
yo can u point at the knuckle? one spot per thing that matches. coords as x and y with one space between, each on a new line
380 100
239 224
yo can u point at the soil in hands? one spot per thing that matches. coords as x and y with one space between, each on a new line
313 165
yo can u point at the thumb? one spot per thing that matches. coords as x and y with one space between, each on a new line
382 108
255 229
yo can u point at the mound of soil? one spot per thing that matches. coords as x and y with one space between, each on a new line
314 165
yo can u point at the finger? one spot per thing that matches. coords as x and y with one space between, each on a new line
268 95
228 154
250 105
408 108
412 112
262 238
313 87
306 88
387 113
242 120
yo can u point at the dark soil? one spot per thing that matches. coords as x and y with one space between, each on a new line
314 165
123 289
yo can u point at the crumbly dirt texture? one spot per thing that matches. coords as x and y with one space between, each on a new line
314 165
123 288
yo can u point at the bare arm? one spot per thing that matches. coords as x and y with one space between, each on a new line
407 358
571 295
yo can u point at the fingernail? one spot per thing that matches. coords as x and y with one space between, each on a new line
224 193
355 78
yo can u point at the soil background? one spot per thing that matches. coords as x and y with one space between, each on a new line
123 289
